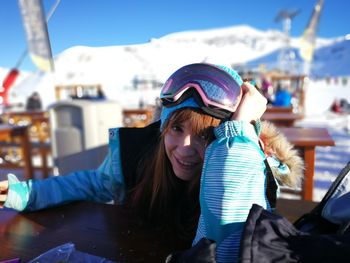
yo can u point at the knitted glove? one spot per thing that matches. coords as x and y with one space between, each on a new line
18 193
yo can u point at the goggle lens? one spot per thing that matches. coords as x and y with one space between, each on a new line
216 88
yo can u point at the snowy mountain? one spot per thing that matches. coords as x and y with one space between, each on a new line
117 68
330 60
333 60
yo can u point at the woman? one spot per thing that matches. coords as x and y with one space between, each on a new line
204 137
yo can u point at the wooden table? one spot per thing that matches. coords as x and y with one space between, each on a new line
306 140
113 232
8 133
282 119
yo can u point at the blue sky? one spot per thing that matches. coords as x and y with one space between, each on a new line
119 22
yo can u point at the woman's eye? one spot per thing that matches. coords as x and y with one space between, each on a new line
202 138
204 135
176 128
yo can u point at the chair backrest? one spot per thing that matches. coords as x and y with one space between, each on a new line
85 160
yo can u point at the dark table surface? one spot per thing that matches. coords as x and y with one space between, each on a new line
108 231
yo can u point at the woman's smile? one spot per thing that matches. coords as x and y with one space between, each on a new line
185 164
185 150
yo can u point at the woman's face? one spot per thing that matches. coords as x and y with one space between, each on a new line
185 150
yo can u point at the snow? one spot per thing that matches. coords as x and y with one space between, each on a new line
116 67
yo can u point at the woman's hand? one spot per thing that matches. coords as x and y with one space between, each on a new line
4 185
252 105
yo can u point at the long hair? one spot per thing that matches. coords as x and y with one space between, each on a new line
160 195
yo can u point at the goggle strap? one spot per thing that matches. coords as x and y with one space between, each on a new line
224 116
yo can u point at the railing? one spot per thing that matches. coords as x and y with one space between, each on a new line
137 117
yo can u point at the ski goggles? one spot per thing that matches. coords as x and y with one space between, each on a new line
216 91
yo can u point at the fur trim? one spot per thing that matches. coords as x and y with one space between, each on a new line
275 143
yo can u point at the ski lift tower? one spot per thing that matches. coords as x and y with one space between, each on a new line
286 56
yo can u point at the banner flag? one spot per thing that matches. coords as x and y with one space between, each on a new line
10 79
308 39
35 27
6 85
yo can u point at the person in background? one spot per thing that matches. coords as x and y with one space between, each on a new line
344 105
195 172
100 93
335 107
157 109
34 102
283 97
267 89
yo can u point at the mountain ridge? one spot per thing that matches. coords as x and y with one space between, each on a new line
117 68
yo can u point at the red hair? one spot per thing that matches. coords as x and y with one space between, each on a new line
159 194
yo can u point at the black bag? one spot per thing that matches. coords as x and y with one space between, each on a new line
203 252
322 235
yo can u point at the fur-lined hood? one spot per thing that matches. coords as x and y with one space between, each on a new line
276 144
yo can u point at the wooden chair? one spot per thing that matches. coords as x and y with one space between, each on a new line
38 126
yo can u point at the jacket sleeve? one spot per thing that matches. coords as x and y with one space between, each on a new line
233 178
102 185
